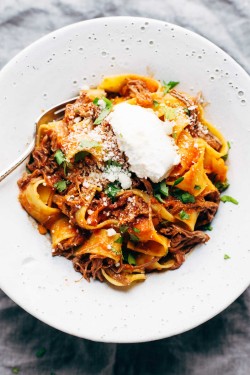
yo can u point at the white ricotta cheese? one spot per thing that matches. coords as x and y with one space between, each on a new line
142 136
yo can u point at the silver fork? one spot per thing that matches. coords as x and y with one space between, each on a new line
54 113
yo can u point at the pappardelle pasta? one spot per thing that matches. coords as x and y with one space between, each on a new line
129 179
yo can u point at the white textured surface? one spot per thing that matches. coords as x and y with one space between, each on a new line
185 354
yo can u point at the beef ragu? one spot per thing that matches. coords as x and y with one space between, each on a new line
113 215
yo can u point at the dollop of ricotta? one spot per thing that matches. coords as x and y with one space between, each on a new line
144 139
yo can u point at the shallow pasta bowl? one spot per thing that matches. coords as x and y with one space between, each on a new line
52 70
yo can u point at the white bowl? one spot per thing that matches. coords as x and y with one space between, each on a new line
55 68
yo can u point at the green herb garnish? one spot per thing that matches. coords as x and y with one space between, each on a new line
187 111
222 186
178 181
115 251
163 188
95 101
60 157
81 155
119 240
15 370
136 230
187 198
86 143
197 187
169 113
40 352
226 256
174 135
207 227
227 198
131 260
155 103
133 237
169 86
158 197
112 190
104 112
184 215
123 229
112 163
61 185
225 157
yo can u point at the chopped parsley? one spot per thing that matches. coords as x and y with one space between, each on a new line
86 143
183 196
81 155
15 370
169 113
60 157
136 230
174 135
61 185
119 240
197 187
133 237
155 103
222 186
131 260
226 256
158 197
123 229
169 86
187 111
224 157
40 352
95 101
128 257
112 190
187 198
184 215
115 251
227 198
112 163
104 112
178 181
207 227
161 188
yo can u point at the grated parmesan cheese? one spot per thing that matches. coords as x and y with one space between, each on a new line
110 232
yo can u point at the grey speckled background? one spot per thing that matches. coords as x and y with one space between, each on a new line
220 346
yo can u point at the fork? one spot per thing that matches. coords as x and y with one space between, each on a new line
52 114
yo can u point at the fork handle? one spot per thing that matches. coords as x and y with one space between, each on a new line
17 162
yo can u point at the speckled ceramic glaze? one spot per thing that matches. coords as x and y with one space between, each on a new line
54 69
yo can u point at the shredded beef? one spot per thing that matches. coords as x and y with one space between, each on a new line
148 185
90 266
68 244
193 113
182 239
135 206
135 88
193 128
181 242
82 107
207 207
